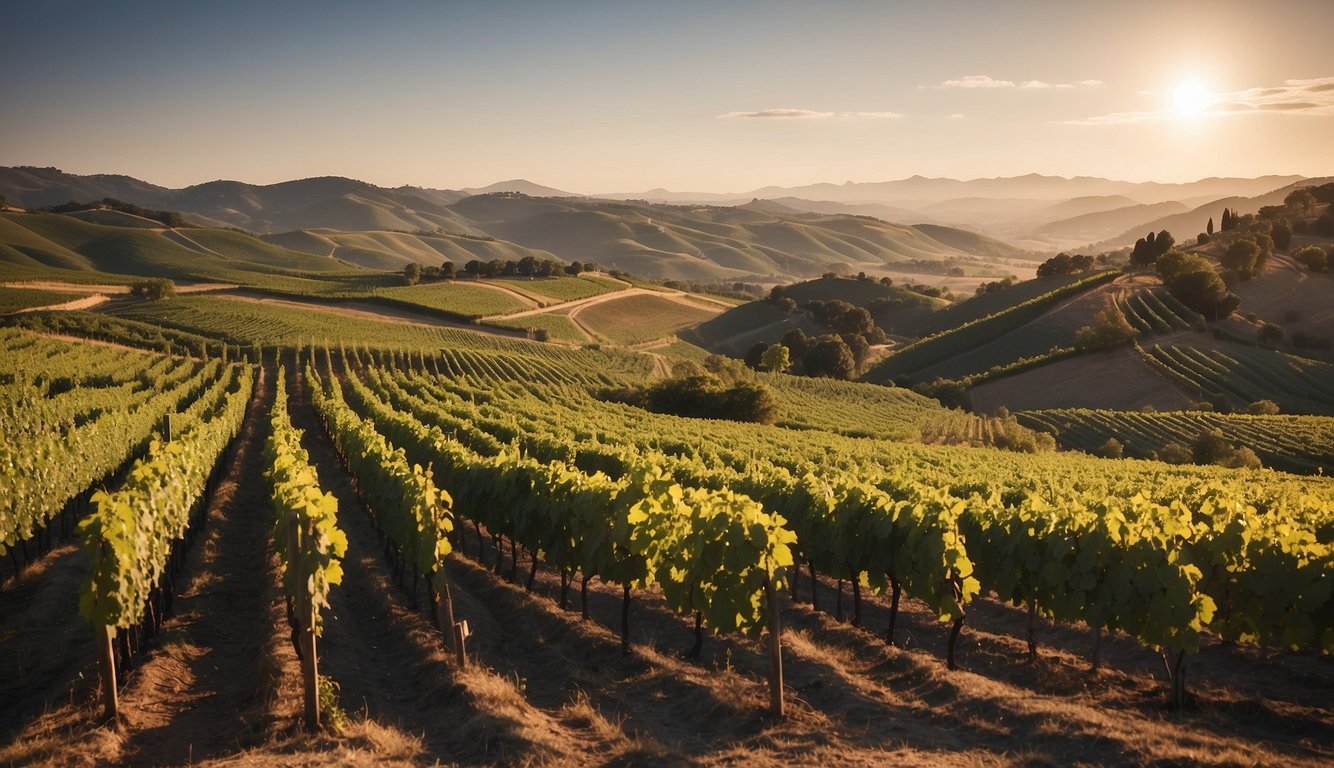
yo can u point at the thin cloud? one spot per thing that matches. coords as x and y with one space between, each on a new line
977 81
1314 96
803 114
986 81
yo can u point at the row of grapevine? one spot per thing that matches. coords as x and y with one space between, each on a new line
306 536
134 538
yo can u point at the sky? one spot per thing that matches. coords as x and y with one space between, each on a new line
602 97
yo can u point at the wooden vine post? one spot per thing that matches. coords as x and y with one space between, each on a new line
106 668
444 615
775 652
305 627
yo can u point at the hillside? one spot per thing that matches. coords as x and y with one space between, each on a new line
1186 225
1092 227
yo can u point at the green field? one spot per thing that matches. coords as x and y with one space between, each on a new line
14 299
560 289
559 327
456 297
637 319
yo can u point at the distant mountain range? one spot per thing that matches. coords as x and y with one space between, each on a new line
365 225
788 231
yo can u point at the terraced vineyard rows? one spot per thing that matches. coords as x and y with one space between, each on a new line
1302 444
1242 375
1150 313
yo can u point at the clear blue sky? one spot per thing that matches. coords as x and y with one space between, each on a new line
625 96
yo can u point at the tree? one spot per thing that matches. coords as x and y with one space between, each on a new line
1281 232
1112 449
1173 263
574 268
830 357
1209 230
1210 447
1312 257
775 359
473 267
797 343
1300 201
412 273
1269 334
1110 329
1241 256
1227 220
447 270
755 355
1199 287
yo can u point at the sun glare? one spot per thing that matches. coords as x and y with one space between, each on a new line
1190 98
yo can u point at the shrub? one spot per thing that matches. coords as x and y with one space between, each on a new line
1313 258
1112 449
1175 453
1263 408
1242 458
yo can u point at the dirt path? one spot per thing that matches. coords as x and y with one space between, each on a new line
87 302
198 695
110 290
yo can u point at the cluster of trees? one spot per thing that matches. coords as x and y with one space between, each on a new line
153 289
1210 447
996 286
528 266
1194 282
1248 255
170 219
830 355
1150 248
717 390
1065 264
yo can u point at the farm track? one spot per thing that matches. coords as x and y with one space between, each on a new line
200 692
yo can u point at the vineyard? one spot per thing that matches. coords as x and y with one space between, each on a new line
461 522
1239 375
1301 444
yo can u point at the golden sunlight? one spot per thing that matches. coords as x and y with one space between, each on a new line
1190 98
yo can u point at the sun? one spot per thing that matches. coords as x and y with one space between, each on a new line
1190 98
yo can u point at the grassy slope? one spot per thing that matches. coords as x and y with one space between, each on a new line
637 319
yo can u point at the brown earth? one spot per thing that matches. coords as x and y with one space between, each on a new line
1118 379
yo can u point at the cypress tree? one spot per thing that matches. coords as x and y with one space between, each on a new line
1210 228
